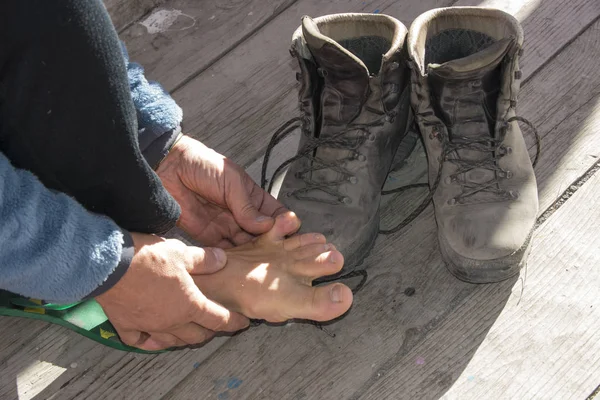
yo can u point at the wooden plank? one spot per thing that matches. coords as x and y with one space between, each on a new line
183 37
237 103
53 361
544 343
386 327
125 12
242 103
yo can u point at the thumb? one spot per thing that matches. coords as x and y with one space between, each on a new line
246 214
207 260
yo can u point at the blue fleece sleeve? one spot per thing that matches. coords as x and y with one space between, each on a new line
159 117
52 248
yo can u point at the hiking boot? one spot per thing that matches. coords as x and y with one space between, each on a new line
354 98
465 81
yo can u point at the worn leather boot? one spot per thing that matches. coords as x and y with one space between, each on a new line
354 98
465 82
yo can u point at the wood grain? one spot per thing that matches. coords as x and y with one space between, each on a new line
243 103
388 336
236 104
544 343
202 33
385 337
125 12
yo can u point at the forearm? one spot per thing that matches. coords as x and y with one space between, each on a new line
53 248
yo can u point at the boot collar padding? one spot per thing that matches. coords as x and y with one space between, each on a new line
493 22
333 28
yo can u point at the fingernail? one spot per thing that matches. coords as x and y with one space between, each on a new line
317 236
336 293
220 256
262 218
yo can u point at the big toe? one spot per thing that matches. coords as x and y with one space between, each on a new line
323 303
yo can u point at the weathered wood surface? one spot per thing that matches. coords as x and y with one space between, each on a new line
235 106
125 12
182 38
386 336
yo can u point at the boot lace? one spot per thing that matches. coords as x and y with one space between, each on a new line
335 141
449 149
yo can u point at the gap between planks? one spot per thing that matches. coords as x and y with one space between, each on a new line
295 371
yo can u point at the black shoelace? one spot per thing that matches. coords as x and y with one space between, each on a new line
494 146
335 141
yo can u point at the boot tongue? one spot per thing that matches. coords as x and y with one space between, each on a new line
345 81
465 97
347 76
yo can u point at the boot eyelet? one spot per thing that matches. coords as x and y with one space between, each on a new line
449 180
372 137
322 72
288 194
394 66
362 157
390 118
508 150
353 180
347 200
298 76
508 174
452 201
514 194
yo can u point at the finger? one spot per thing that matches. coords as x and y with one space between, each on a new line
161 341
241 238
285 224
306 239
322 303
193 334
245 211
130 337
217 318
271 206
225 244
207 260
325 264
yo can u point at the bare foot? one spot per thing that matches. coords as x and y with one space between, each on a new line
271 277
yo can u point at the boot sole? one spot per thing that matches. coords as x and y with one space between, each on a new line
484 271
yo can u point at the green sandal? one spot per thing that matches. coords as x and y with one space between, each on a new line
86 318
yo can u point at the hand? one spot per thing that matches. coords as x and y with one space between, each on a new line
221 205
156 304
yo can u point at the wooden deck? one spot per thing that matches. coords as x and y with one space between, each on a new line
533 337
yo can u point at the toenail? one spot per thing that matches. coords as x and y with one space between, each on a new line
332 258
336 293
327 247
